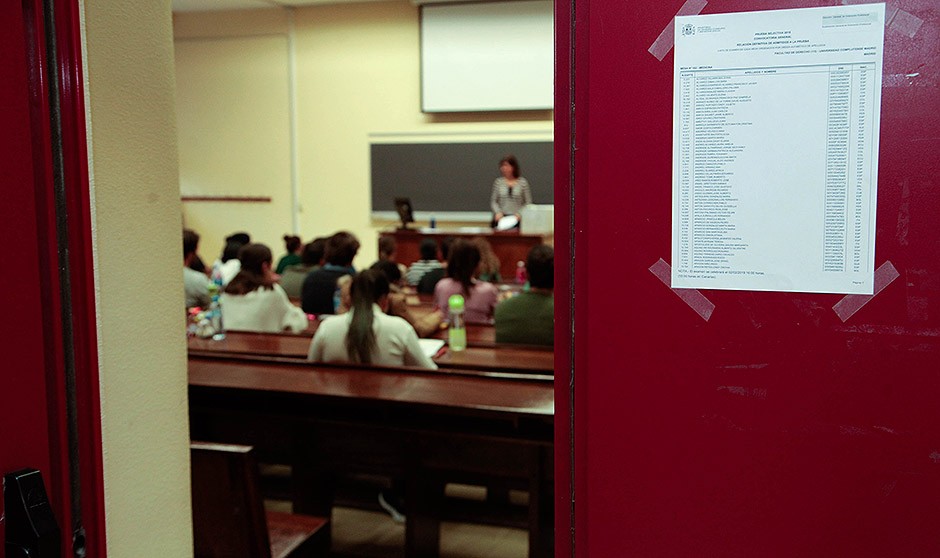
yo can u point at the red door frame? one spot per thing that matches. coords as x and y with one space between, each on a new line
68 343
565 270
81 272
32 436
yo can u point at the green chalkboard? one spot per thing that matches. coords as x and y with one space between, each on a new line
442 178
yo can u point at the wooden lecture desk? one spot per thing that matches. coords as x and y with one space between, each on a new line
506 358
509 246
425 427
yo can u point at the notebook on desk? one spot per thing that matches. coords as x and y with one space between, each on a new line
430 347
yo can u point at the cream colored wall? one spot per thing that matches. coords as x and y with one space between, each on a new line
357 72
136 228
234 136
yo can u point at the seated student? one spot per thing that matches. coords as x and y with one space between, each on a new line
366 334
319 287
529 317
292 278
429 280
489 262
426 325
229 264
195 284
198 265
388 251
428 261
253 301
479 296
292 257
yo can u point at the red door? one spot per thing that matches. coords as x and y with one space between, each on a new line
773 428
48 398
31 376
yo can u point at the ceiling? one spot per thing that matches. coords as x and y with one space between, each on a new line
220 5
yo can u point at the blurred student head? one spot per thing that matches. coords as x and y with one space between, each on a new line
234 243
313 252
292 243
445 247
463 262
255 270
388 249
428 249
389 269
190 244
540 266
341 249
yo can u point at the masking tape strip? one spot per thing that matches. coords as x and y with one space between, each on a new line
696 300
896 19
906 23
664 42
850 304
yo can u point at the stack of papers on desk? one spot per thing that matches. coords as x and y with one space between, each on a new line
431 346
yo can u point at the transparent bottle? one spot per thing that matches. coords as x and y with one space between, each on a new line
215 313
457 331
337 298
521 275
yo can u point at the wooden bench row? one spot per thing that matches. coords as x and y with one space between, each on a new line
429 428
229 520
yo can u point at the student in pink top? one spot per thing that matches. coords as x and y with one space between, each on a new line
479 296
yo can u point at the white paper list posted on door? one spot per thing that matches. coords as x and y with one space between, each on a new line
775 149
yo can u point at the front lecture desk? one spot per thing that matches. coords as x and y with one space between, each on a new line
422 426
509 246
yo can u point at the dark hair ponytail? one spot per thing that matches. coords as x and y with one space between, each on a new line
366 289
462 264
292 243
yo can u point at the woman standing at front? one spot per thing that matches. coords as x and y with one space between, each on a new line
510 191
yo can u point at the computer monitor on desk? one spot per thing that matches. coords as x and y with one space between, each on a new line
538 219
403 207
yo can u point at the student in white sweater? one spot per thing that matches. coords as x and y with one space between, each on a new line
253 301
366 333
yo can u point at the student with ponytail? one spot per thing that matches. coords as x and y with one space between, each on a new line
366 334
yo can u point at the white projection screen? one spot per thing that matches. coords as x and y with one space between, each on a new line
491 56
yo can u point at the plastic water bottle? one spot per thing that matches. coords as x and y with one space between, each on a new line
217 275
521 275
337 298
457 331
215 313
433 222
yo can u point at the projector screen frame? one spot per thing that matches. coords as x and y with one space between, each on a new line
479 100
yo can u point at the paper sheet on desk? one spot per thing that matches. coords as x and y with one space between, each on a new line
431 346
507 223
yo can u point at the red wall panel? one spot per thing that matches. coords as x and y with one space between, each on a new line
773 429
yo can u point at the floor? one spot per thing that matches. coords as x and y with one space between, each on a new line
368 534
359 533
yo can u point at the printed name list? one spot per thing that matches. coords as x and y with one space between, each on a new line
775 149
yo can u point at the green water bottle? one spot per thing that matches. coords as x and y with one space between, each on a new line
457 331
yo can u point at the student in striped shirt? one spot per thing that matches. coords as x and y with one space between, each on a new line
427 262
